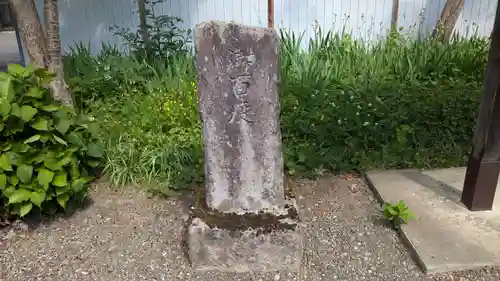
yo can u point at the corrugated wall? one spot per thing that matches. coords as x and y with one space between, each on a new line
89 21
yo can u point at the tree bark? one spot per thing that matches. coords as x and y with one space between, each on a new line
395 15
59 88
143 21
31 30
448 19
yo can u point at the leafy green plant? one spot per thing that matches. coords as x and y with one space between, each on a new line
47 151
165 37
397 214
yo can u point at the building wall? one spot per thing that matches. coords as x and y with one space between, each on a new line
89 21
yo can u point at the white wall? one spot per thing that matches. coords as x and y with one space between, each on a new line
89 20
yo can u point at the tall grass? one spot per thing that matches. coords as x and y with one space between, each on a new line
344 105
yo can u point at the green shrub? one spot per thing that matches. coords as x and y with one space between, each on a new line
399 103
345 105
153 138
47 150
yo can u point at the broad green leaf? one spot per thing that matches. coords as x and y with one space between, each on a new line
5 146
2 126
32 139
19 195
45 177
35 92
37 159
24 173
63 125
27 113
41 124
79 183
74 170
14 180
5 162
3 181
59 140
63 199
95 150
93 128
60 179
15 110
50 107
17 70
25 209
6 88
74 138
52 164
9 191
93 163
61 190
5 107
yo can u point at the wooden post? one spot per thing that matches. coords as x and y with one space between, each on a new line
483 167
395 15
270 13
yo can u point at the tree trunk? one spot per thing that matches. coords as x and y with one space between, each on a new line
58 86
449 16
395 15
31 30
143 21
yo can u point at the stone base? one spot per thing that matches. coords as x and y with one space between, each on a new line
213 248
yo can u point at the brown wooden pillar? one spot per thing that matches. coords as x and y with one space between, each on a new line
483 167
270 13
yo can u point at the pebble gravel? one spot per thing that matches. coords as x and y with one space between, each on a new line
130 236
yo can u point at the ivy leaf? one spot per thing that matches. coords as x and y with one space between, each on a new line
14 180
35 92
24 173
6 88
5 107
41 124
45 177
37 197
19 195
59 140
63 125
25 209
32 139
79 183
50 107
27 113
15 110
17 70
3 181
62 190
95 150
5 162
60 179
62 200
52 164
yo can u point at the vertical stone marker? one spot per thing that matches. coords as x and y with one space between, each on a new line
246 220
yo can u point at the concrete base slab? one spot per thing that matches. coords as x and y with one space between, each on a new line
446 236
242 251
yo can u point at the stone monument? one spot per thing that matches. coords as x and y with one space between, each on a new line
246 219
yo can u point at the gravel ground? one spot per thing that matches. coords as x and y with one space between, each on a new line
129 236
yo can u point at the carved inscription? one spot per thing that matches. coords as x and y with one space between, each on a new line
240 85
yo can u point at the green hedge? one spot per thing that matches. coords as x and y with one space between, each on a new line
345 105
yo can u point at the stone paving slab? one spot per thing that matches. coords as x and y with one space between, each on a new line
445 236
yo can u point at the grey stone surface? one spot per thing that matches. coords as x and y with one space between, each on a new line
445 236
238 102
223 250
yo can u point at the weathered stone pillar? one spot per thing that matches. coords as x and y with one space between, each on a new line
244 220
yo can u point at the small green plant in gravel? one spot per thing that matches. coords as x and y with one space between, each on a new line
47 151
397 214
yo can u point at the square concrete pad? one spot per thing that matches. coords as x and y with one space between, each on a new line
446 236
